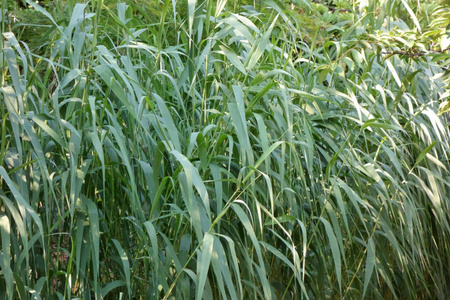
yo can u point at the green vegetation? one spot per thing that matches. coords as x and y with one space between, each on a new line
225 150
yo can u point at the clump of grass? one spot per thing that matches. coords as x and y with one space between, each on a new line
195 153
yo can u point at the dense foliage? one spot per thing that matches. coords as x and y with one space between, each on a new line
225 150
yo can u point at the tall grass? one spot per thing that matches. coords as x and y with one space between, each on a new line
218 151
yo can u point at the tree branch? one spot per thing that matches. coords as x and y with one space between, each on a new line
415 54
332 8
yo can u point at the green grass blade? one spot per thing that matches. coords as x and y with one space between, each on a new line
125 265
203 264
334 250
370 264
259 47
5 256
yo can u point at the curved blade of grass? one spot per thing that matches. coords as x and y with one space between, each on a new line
262 158
168 123
191 14
40 9
112 285
413 15
424 153
203 264
259 47
5 256
334 250
370 264
125 265
10 101
234 59
249 229
13 40
22 202
194 177
95 236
